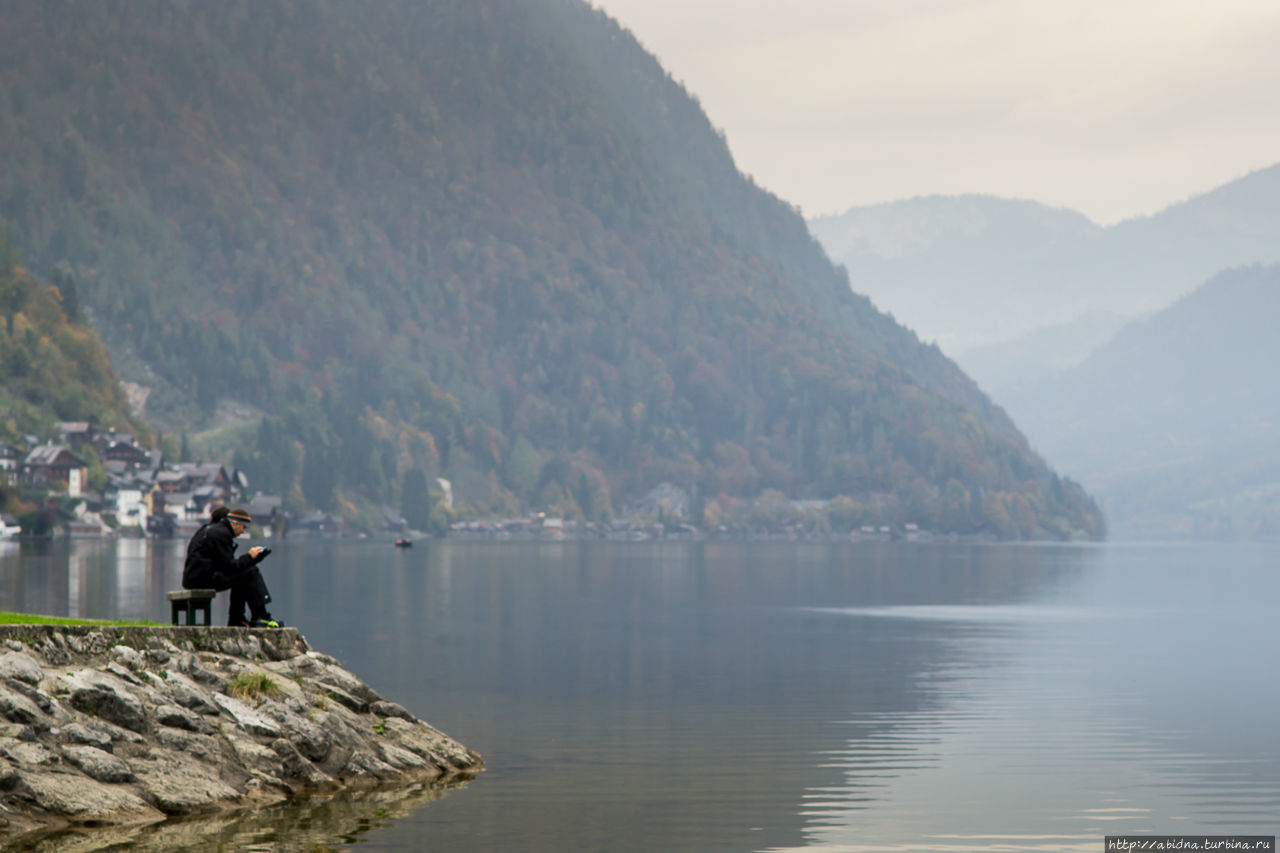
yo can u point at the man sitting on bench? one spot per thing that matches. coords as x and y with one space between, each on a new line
212 564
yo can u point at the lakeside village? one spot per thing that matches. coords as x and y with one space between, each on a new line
143 495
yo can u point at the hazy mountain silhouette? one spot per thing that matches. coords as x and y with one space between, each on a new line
1013 367
961 270
1174 422
976 270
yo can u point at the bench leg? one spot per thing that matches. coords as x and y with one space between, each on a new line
192 607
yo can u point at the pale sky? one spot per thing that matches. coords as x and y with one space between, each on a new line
1114 108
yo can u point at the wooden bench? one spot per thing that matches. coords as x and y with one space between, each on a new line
191 602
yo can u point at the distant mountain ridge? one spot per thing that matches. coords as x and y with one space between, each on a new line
1009 368
972 224
486 240
1011 267
1175 421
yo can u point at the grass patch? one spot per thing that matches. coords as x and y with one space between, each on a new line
7 618
253 684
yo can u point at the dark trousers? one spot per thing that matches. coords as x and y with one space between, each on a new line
248 588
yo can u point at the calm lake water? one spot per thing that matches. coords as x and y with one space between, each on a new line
773 697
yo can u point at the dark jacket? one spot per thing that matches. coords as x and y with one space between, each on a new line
211 558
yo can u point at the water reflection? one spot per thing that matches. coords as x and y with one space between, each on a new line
327 824
1134 703
90 578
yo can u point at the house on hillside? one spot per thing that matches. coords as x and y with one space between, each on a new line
102 439
183 506
53 465
665 501
218 482
268 512
124 451
393 522
132 509
10 461
320 522
75 433
131 497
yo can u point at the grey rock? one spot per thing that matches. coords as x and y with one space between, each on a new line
346 742
187 693
107 697
46 703
365 762
182 787
77 733
200 746
247 718
98 765
16 731
306 666
17 708
20 666
345 699
252 754
335 675
54 653
180 718
191 665
71 794
95 643
122 673
294 766
391 709
321 657
153 741
111 730
311 740
432 744
397 757
29 754
128 656
176 718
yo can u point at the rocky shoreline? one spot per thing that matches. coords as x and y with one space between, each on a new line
124 726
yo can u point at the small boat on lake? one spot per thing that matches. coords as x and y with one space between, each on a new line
404 543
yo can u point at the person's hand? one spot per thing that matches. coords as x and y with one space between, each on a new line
255 551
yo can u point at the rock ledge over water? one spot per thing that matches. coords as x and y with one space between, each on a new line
105 726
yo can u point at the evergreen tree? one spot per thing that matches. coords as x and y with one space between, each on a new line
415 504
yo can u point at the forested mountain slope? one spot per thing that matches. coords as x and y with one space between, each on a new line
487 240
52 366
